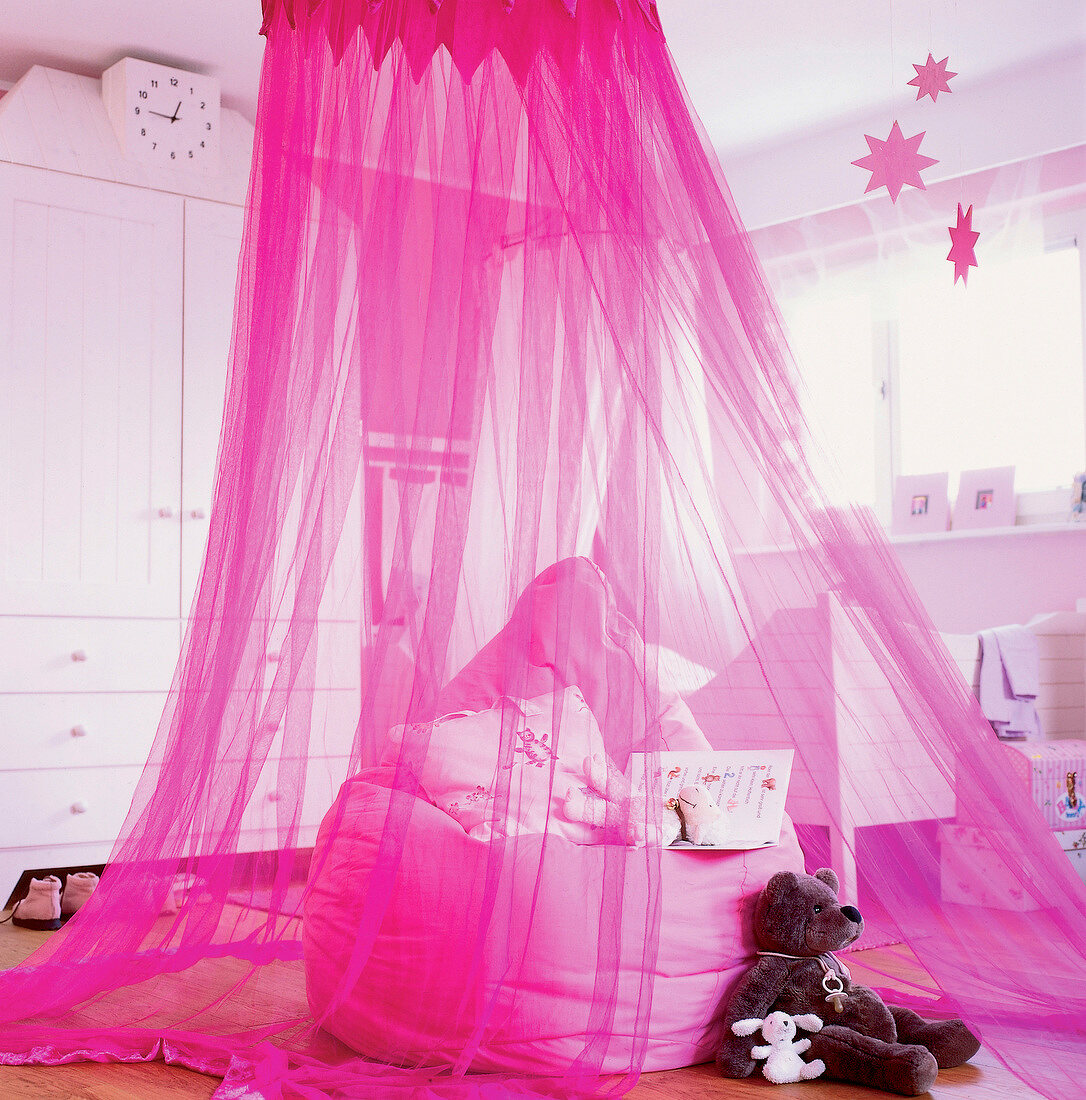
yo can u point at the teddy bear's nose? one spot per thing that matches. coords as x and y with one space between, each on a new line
852 913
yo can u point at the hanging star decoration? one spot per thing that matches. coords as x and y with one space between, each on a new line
895 162
963 239
932 78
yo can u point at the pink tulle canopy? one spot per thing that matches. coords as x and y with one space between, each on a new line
511 423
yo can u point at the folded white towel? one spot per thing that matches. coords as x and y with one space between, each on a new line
993 698
1010 660
1021 659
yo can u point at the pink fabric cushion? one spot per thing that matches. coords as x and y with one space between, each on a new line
551 736
423 991
568 623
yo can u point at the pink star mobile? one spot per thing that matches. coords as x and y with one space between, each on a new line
963 238
932 78
895 162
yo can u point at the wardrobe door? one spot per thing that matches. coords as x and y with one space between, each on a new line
212 243
90 397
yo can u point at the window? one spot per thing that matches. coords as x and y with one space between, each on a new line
989 374
831 334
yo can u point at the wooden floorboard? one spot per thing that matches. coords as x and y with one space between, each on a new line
981 1079
90 1080
93 1081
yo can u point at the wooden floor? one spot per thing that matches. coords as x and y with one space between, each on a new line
982 1079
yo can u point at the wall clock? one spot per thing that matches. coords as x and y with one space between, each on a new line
163 115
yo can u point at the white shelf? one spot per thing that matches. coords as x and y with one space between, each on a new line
1018 531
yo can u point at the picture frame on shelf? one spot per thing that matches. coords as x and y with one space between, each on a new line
985 499
921 504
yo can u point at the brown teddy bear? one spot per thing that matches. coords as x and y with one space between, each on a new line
798 923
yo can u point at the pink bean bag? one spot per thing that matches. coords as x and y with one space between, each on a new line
425 991
427 984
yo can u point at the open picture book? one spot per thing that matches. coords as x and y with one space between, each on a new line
717 800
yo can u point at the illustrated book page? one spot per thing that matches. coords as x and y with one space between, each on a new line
747 786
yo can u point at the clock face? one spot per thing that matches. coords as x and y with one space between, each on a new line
170 116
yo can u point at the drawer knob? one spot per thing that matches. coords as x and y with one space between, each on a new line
165 512
79 731
197 513
271 656
79 807
273 796
79 655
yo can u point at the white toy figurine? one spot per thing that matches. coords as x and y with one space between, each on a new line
783 1062
702 819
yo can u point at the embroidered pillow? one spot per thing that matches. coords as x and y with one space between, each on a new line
549 737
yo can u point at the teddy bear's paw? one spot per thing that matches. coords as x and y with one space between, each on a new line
912 1071
576 806
864 1060
595 773
952 1043
734 1061
636 832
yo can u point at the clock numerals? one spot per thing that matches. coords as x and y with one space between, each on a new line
167 116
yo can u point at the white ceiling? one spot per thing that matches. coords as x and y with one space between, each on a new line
757 73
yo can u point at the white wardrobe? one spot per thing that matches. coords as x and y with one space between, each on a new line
116 304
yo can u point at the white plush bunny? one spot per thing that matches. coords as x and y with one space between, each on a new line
783 1062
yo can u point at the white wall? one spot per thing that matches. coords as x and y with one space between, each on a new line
974 581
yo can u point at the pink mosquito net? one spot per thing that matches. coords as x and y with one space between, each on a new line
511 424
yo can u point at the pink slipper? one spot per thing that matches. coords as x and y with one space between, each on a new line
40 909
78 886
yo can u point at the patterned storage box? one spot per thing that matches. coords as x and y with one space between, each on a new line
1074 844
1046 767
973 873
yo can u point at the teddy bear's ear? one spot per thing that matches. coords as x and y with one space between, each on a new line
827 875
783 882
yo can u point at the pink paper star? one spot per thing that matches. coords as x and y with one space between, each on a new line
932 78
895 162
963 238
